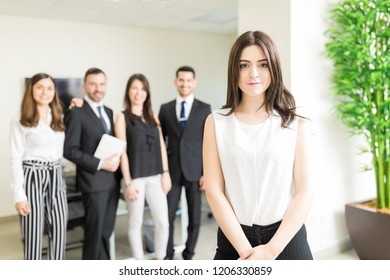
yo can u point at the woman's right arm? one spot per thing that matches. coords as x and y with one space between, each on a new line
130 192
17 145
215 193
76 102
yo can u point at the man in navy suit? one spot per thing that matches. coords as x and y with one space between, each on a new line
97 179
182 122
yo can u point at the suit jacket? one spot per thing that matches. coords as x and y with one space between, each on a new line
184 149
83 133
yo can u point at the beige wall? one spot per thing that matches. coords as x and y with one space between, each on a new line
273 18
68 49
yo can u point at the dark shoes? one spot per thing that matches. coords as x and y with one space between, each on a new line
185 256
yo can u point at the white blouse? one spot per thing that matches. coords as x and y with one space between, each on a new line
32 143
257 164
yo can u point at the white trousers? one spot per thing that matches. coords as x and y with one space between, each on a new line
150 189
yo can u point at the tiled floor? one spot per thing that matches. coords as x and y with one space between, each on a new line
11 246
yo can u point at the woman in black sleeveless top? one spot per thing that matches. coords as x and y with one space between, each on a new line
144 166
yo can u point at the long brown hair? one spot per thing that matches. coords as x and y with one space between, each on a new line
147 106
277 96
29 110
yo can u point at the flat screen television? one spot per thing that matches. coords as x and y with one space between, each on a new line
68 89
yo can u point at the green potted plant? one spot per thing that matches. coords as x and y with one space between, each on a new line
359 47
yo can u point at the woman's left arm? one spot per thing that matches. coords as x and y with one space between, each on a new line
165 177
301 203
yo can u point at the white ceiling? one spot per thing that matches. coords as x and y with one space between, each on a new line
215 16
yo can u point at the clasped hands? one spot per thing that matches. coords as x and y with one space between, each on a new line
260 252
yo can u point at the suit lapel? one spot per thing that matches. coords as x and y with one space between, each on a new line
108 112
89 111
173 117
192 115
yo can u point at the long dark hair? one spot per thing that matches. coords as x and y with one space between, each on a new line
147 106
277 96
29 111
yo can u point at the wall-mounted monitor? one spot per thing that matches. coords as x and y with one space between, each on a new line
68 89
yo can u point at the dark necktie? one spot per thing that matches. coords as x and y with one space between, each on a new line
102 120
182 120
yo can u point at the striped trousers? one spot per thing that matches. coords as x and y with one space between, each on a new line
46 193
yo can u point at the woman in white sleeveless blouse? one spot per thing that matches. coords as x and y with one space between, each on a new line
258 160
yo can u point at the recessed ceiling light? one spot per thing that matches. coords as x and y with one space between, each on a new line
156 1
217 17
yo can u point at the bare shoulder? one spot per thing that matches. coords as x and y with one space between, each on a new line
120 117
305 123
305 127
209 120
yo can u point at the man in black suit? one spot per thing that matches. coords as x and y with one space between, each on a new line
97 180
182 122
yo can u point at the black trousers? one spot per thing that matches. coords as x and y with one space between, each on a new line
100 214
194 203
296 249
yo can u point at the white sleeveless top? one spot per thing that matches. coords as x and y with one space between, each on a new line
257 164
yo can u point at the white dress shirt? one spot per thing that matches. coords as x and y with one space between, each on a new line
32 143
187 106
